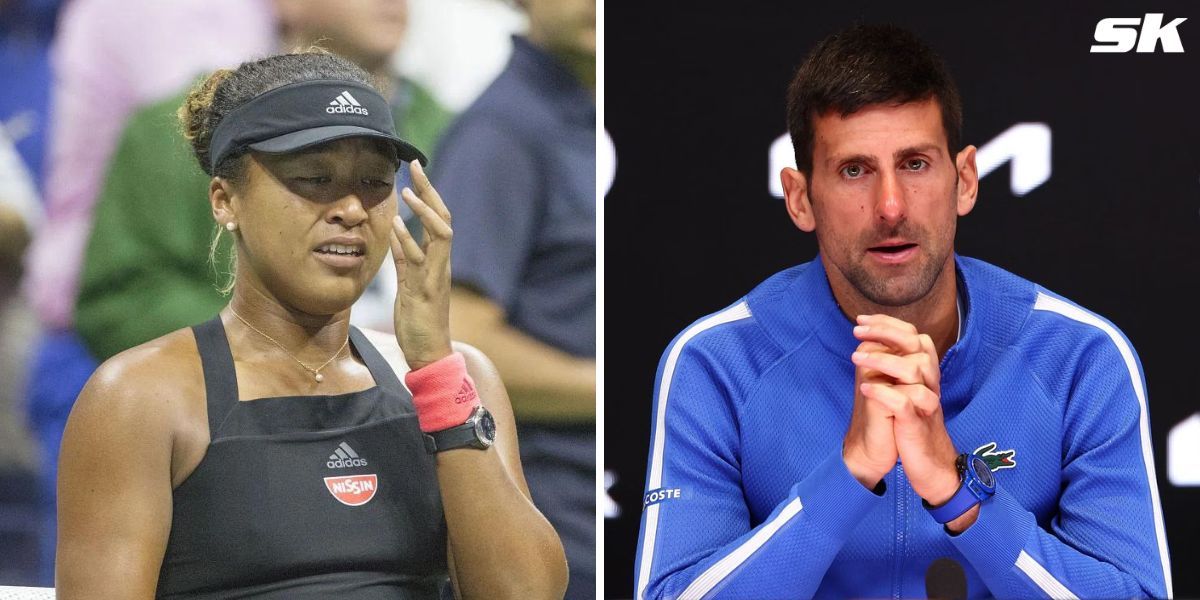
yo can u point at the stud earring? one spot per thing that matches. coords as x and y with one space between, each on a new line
231 226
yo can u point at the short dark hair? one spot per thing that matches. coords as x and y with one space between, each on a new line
862 66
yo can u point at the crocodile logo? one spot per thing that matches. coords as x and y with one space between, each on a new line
1004 459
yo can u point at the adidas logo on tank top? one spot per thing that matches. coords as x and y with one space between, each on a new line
351 490
344 457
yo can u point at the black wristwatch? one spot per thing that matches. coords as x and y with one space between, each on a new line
478 432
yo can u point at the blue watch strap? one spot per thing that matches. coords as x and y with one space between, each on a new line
959 503
972 490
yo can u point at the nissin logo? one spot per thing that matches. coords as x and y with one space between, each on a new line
1119 34
355 490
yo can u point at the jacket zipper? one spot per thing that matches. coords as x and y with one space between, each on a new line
898 549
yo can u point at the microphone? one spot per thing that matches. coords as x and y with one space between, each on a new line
946 580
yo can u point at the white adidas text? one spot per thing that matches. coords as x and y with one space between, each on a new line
347 109
343 463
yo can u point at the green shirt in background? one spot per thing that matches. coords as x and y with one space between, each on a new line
146 270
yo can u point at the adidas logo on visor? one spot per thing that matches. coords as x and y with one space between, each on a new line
345 456
345 103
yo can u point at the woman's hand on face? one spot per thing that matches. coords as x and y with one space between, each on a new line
423 275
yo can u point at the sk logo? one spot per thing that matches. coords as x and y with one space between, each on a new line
996 460
1120 34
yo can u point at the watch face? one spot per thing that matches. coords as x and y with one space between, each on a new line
982 472
485 427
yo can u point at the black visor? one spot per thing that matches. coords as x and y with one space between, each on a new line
304 114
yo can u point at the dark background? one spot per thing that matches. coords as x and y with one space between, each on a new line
694 96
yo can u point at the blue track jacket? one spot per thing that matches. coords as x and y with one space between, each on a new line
747 495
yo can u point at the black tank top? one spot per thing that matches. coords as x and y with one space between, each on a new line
307 496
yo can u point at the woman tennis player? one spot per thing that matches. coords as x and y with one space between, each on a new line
273 452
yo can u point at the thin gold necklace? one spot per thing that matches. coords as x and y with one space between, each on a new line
316 373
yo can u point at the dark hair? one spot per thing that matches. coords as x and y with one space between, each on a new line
862 66
227 89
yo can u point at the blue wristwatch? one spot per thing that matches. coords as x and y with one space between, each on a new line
978 484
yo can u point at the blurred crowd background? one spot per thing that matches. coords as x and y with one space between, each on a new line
105 226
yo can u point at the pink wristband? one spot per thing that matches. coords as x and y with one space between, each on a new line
443 393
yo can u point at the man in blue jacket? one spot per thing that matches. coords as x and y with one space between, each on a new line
892 419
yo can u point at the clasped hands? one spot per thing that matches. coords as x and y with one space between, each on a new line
897 413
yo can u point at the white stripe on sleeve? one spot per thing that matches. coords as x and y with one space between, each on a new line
733 313
722 568
1043 579
1062 307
